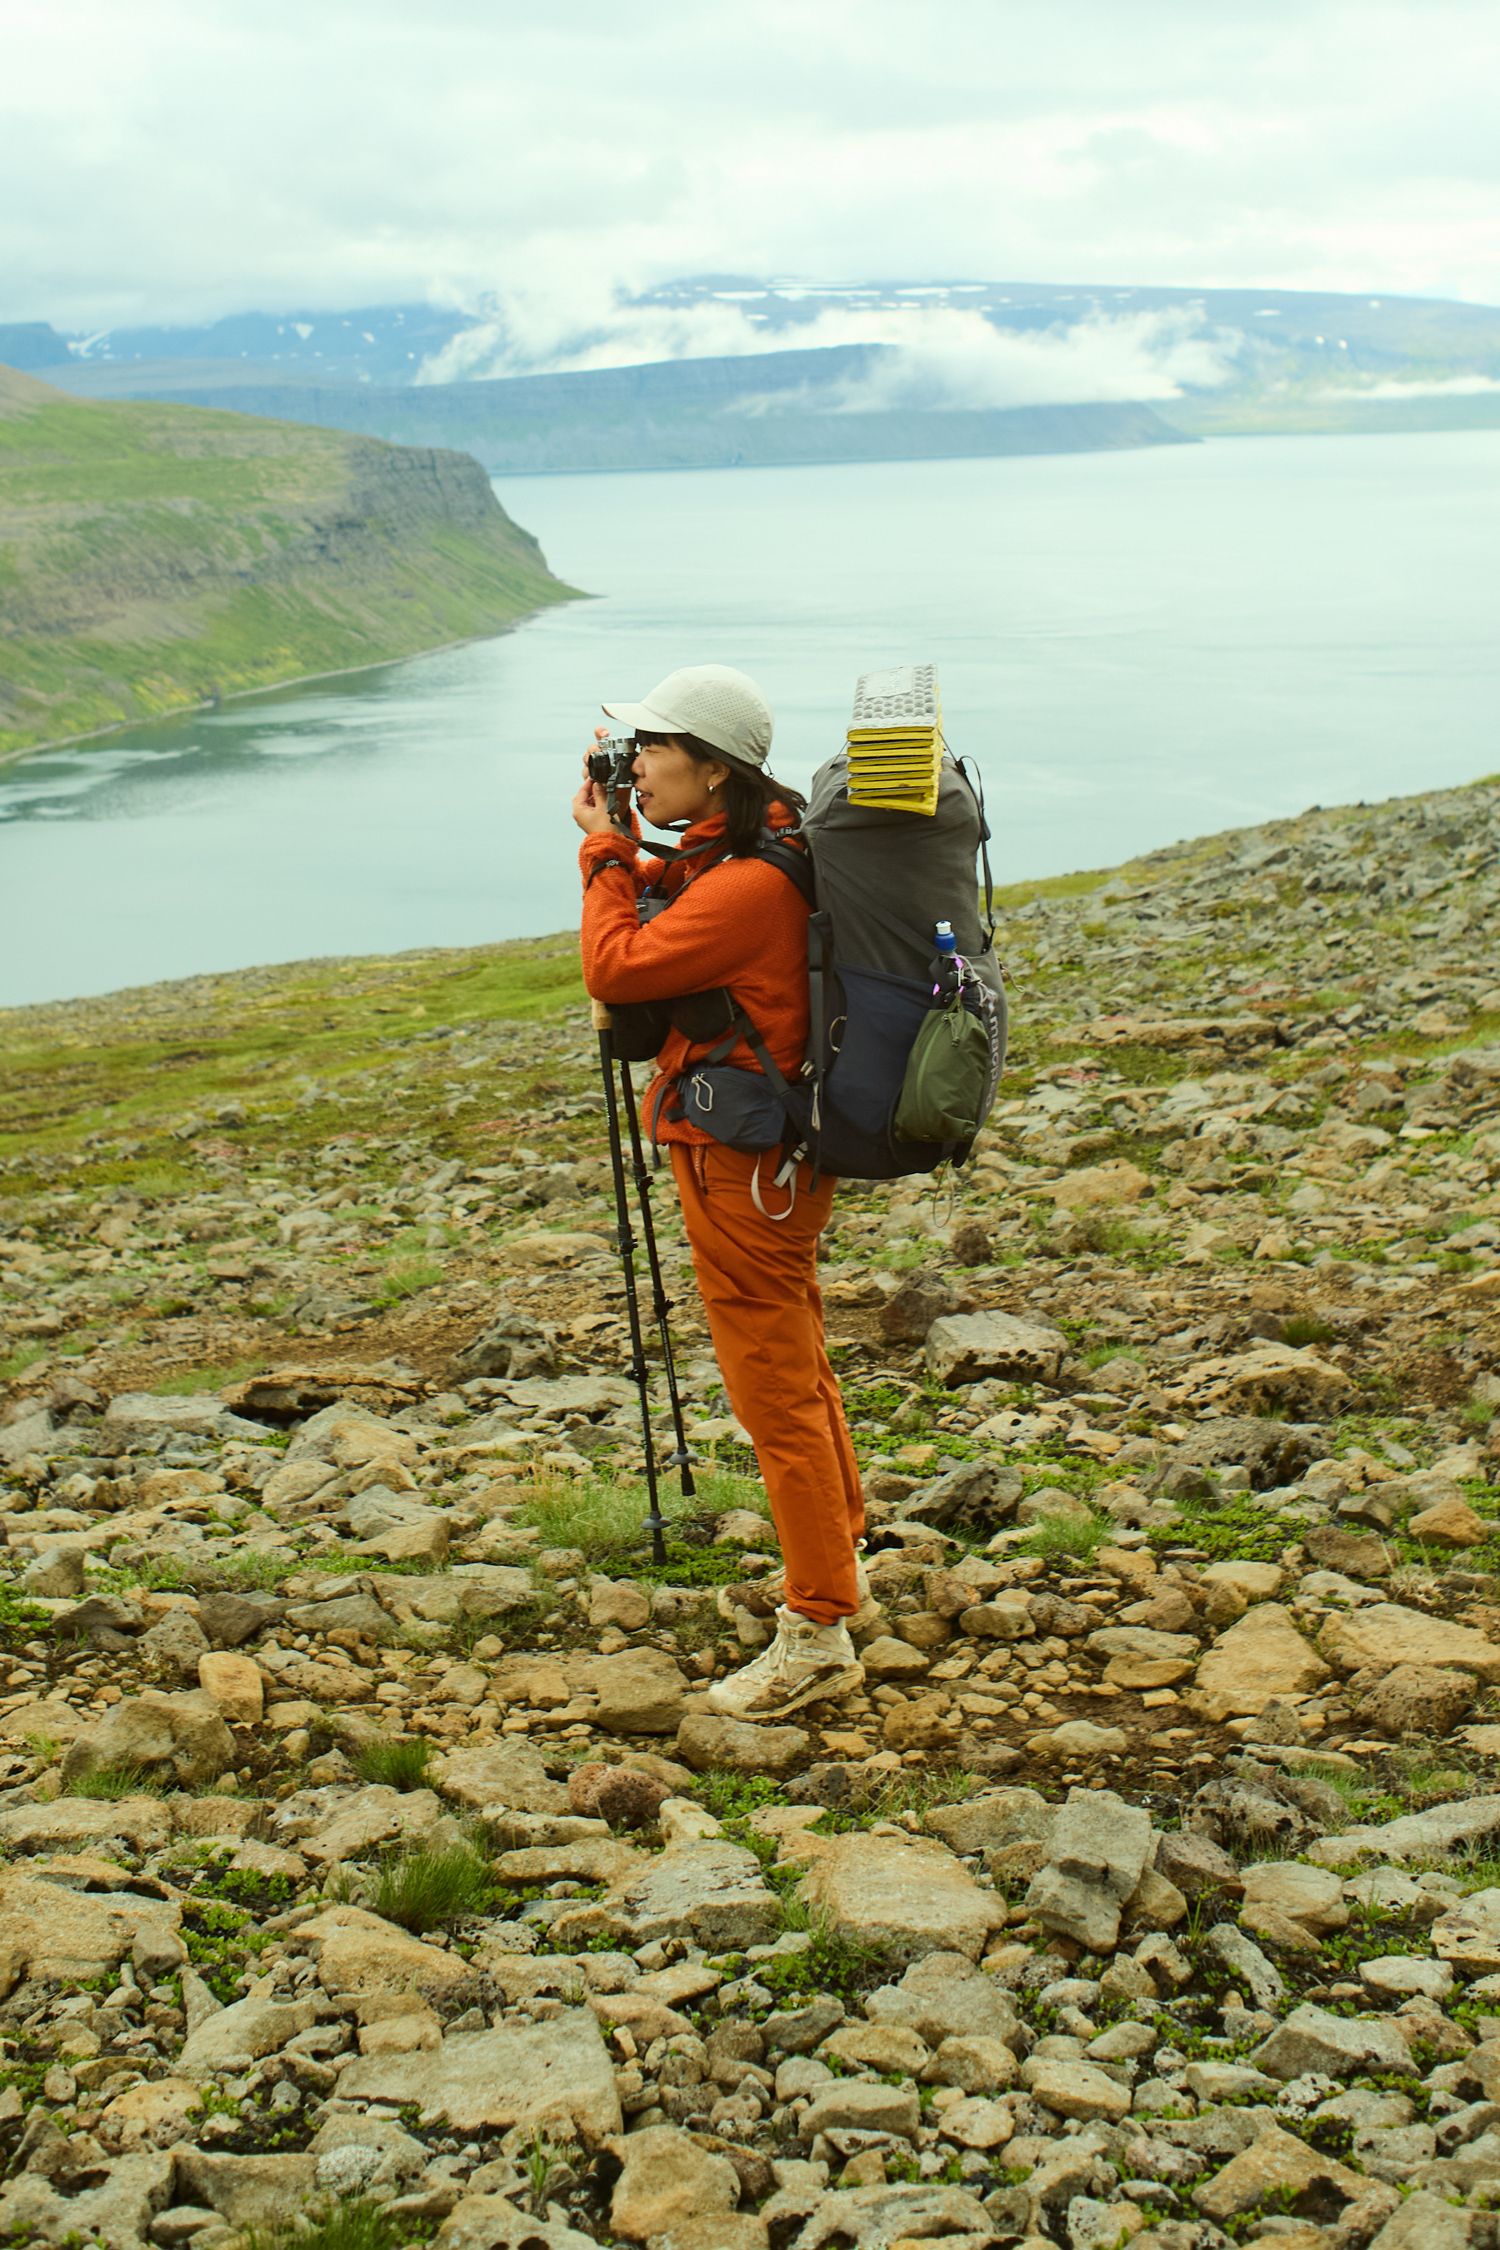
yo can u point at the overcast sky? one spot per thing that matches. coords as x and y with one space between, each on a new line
177 159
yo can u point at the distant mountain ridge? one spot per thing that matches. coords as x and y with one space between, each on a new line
154 557
771 410
395 344
1070 367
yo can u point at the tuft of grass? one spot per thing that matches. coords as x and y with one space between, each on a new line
21 1620
157 1574
1066 1538
423 1888
1417 1775
687 1565
602 1517
597 1515
548 2170
112 1782
254 1567
16 1363
1305 1328
917 1789
1236 1529
399 1762
1100 1355
830 1962
408 1279
223 1944
357 2225
734 1796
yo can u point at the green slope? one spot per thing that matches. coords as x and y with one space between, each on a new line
153 557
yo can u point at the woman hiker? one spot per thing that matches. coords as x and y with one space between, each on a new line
701 742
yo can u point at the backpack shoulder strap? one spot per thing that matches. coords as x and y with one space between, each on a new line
793 861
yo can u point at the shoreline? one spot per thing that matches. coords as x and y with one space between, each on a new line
1142 870
271 687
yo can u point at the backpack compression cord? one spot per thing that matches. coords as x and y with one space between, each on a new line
620 1095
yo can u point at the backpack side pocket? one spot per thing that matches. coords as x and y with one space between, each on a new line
947 1077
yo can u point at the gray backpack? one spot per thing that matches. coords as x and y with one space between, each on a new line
905 1044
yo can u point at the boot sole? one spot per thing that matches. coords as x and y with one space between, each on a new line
836 1684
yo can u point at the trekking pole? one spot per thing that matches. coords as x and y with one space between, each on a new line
655 1521
681 1459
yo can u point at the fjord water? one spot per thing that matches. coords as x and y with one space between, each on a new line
1137 646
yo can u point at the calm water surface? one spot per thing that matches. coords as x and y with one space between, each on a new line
1137 646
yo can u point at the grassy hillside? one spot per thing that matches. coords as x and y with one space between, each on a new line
156 556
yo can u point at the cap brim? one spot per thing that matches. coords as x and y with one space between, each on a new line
640 718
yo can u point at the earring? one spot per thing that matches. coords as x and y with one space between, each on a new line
713 785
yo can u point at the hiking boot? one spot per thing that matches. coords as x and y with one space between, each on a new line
804 1663
763 1598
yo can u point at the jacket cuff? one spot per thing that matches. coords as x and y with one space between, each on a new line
607 845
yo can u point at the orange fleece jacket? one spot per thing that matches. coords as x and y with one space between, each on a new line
738 922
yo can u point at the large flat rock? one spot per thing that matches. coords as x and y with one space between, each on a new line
232 2038
136 1414
177 1738
119 2212
1260 1657
508 1776
711 1893
1432 1834
967 1347
1387 1634
640 1691
142 1823
1267 1379
906 1899
70 1936
1468 1935
1338 2046
553 2077
360 1953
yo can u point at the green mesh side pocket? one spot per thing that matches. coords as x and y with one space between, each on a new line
947 1077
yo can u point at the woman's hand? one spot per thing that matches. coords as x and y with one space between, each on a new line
590 808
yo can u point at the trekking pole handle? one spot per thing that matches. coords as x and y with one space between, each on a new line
599 1015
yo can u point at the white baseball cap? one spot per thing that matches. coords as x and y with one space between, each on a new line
712 701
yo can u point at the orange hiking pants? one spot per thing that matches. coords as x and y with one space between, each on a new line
759 1284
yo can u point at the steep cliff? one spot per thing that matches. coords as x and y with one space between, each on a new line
154 556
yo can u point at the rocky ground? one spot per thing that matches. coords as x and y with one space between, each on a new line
371 1867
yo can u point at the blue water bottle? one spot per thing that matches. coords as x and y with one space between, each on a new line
947 943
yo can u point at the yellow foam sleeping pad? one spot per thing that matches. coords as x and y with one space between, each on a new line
895 745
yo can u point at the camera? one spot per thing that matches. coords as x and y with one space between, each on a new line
610 764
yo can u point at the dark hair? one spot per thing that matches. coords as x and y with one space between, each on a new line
748 793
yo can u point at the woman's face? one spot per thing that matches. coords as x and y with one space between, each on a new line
671 786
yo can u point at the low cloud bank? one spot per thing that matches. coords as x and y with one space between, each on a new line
946 358
951 361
